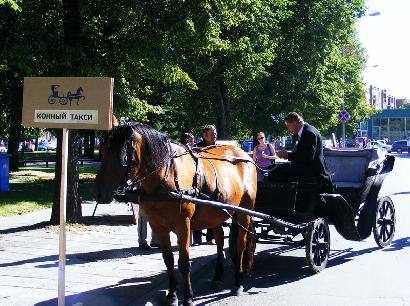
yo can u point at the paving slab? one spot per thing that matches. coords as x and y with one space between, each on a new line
103 266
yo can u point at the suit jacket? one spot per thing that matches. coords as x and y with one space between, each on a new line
307 155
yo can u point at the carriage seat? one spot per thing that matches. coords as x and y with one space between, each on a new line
349 167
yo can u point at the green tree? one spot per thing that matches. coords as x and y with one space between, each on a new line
311 73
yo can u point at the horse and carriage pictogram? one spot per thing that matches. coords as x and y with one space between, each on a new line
181 189
63 100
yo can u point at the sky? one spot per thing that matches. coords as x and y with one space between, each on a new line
386 41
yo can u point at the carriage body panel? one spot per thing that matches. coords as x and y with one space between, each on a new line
357 176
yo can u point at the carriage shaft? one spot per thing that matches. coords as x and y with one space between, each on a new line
185 198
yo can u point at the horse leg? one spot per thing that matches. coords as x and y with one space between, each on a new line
184 265
245 221
219 270
168 256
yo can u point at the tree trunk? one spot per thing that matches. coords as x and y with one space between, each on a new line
72 39
73 209
73 212
15 122
223 111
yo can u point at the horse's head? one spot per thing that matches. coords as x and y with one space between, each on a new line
130 153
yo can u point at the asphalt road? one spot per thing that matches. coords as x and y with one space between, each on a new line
358 273
104 267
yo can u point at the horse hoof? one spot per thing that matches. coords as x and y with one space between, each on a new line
217 285
172 299
188 302
237 290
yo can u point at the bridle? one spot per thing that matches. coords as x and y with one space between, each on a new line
132 188
131 191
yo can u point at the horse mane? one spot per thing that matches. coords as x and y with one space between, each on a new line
155 148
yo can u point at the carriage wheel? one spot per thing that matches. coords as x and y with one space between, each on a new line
318 245
385 223
63 101
52 100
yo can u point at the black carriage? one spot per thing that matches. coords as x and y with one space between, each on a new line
302 210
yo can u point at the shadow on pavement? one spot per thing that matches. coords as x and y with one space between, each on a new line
107 220
81 258
272 268
400 193
88 220
25 228
342 256
398 244
133 291
127 292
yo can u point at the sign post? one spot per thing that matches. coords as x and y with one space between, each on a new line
63 205
67 103
344 116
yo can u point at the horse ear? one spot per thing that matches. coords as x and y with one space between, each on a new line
114 121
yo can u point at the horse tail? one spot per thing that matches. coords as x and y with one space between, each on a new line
233 250
248 255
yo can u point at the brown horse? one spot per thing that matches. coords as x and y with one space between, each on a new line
150 162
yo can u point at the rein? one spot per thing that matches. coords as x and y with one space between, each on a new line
228 158
132 191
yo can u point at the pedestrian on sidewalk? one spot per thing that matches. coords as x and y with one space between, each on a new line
142 226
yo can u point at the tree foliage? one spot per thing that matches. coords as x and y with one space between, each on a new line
175 61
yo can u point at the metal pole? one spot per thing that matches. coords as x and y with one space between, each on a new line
62 237
343 135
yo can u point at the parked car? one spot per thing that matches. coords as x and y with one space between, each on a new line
382 144
399 146
46 146
327 143
349 143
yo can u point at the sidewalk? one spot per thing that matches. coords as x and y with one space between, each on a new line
103 267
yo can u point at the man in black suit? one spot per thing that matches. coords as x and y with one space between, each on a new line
306 158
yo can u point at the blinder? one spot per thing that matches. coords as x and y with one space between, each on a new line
128 155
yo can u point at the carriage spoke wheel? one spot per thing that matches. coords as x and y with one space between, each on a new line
318 245
385 223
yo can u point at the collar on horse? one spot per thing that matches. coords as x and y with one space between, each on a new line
132 191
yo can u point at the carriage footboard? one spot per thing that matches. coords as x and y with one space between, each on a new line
337 211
